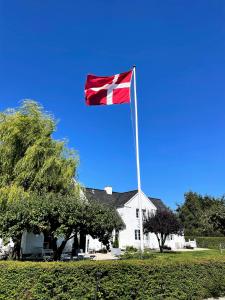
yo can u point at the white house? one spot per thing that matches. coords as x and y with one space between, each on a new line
127 206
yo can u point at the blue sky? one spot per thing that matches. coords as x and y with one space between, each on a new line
48 47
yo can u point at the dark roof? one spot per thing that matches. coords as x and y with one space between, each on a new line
158 203
118 199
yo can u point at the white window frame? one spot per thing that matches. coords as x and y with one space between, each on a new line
137 234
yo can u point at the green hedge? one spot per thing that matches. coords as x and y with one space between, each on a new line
133 279
207 242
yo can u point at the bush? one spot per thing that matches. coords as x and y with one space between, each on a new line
120 280
103 250
131 249
207 242
137 255
116 242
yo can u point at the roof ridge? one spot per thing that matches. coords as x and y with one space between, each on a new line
90 188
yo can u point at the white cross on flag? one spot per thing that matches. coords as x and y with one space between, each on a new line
107 90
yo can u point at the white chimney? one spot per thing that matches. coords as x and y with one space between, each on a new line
108 190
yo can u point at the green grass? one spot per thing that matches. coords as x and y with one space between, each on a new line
190 255
182 256
156 257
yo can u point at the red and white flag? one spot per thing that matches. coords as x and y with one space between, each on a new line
107 90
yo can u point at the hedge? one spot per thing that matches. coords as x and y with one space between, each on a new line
207 242
132 279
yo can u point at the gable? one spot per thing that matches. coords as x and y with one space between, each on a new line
146 202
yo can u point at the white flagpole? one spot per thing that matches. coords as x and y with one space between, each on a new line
138 162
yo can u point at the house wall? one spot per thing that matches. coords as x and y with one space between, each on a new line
132 223
127 236
33 243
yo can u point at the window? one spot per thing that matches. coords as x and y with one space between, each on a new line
137 213
137 234
144 214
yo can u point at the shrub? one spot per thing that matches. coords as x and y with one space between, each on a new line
103 250
131 249
116 242
207 242
120 280
137 255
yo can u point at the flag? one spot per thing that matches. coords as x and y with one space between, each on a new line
107 90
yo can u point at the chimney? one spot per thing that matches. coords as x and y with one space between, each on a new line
108 190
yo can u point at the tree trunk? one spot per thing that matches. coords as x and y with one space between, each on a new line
75 245
16 253
62 246
82 241
54 247
59 250
160 244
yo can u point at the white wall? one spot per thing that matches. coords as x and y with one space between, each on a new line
128 214
127 236
32 243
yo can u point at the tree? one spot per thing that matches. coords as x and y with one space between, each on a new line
162 223
194 214
14 215
31 163
57 216
38 192
65 216
217 216
101 220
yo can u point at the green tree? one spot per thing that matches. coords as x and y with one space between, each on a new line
194 214
65 216
58 217
101 220
217 216
37 188
31 162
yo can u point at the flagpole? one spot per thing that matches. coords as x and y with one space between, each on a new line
138 162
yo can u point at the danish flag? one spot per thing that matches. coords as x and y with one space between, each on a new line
107 90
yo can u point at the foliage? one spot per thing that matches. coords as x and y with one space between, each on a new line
162 223
116 242
31 163
171 276
138 254
131 249
217 217
37 188
195 213
30 157
66 215
207 241
101 220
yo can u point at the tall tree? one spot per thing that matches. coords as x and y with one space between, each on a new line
162 223
217 216
194 214
31 161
